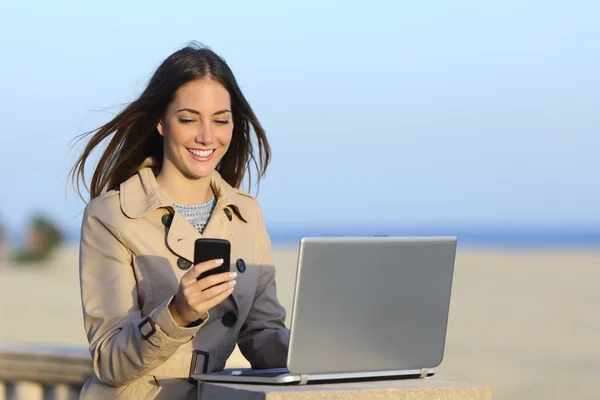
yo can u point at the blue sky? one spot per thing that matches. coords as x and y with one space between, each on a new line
449 113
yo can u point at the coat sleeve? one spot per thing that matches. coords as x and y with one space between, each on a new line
110 305
264 340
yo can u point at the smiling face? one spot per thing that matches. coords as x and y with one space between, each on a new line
197 129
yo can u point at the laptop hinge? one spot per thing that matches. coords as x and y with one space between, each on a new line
303 379
424 373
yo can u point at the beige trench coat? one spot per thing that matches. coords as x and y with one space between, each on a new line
134 250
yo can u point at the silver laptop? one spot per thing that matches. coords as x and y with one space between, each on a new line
364 308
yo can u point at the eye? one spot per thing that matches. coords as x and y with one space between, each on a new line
222 121
185 121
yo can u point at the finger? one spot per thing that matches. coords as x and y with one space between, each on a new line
217 299
198 269
199 297
195 290
217 290
215 280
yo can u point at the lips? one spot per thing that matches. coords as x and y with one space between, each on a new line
202 155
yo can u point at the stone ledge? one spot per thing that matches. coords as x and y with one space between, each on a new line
406 389
47 365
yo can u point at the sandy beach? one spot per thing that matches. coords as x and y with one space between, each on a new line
524 322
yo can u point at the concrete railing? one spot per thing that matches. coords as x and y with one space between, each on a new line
58 373
43 372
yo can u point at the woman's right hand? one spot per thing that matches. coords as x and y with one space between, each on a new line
194 298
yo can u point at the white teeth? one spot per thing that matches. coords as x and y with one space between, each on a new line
201 153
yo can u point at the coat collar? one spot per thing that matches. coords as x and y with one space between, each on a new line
140 194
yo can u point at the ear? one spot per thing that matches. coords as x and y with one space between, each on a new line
159 127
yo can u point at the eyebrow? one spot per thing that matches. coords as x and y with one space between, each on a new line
191 110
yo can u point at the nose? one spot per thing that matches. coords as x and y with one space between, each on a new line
205 135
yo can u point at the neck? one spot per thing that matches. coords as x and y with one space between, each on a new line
181 189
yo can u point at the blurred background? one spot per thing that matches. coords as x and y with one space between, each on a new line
476 119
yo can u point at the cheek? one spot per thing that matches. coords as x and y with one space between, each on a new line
225 136
177 134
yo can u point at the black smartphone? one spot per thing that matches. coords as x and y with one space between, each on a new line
206 249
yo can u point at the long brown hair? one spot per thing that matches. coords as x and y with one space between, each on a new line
135 136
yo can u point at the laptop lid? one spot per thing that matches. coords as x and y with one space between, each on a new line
370 304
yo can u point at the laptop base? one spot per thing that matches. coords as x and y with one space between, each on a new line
280 376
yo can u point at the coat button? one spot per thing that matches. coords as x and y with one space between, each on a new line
167 219
241 265
228 213
229 319
183 264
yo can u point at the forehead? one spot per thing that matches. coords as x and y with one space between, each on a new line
206 94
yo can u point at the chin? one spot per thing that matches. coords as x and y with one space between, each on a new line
198 173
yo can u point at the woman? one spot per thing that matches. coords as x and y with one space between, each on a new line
169 175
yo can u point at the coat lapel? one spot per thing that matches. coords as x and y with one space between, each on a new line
219 226
181 237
